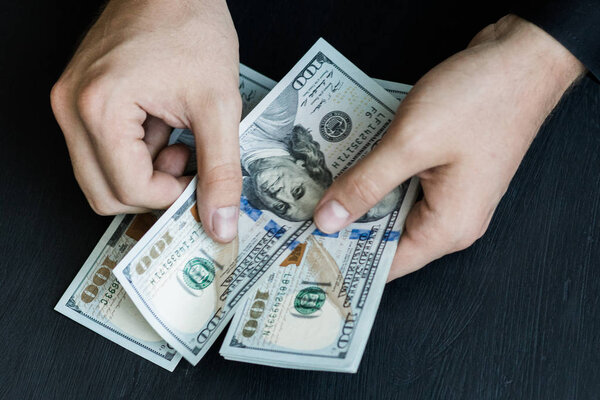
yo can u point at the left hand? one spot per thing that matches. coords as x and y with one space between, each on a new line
463 129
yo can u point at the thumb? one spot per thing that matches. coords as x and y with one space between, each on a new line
364 185
215 128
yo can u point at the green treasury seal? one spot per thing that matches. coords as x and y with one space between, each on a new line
198 273
309 300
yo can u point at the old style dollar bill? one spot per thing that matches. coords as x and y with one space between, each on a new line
316 308
95 298
323 116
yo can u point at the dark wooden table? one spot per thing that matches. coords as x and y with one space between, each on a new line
516 316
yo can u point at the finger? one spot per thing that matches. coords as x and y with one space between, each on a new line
431 231
413 252
87 172
215 128
173 159
126 160
350 196
156 135
93 182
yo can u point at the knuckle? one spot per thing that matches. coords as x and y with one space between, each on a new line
365 190
58 96
225 99
489 30
450 231
468 234
102 207
90 99
463 241
504 22
484 35
223 176
127 196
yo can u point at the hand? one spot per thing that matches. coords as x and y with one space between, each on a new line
463 129
143 68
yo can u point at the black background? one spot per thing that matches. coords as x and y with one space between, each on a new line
513 317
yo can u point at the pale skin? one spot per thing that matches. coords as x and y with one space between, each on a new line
150 65
144 67
463 130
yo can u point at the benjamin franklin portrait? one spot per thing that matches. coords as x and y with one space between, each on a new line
284 168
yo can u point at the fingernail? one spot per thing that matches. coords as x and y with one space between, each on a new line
225 222
332 217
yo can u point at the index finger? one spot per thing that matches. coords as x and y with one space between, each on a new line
127 162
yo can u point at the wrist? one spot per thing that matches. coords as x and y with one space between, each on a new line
152 14
531 48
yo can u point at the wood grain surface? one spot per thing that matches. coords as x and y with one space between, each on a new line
516 316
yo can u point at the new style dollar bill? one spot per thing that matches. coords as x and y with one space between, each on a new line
251 98
398 90
96 299
323 116
316 308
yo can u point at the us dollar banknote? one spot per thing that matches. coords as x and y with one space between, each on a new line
320 119
96 299
252 97
314 325
315 309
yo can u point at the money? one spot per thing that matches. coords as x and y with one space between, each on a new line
315 310
398 90
323 116
96 299
318 263
252 97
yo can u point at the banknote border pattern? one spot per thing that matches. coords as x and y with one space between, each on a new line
125 221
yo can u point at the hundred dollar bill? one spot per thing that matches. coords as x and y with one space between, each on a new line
323 116
315 309
251 98
95 298
399 91
396 89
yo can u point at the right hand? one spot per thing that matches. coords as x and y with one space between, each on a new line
142 69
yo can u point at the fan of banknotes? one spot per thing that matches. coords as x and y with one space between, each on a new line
293 296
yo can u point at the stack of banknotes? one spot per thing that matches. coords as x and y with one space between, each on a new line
296 297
